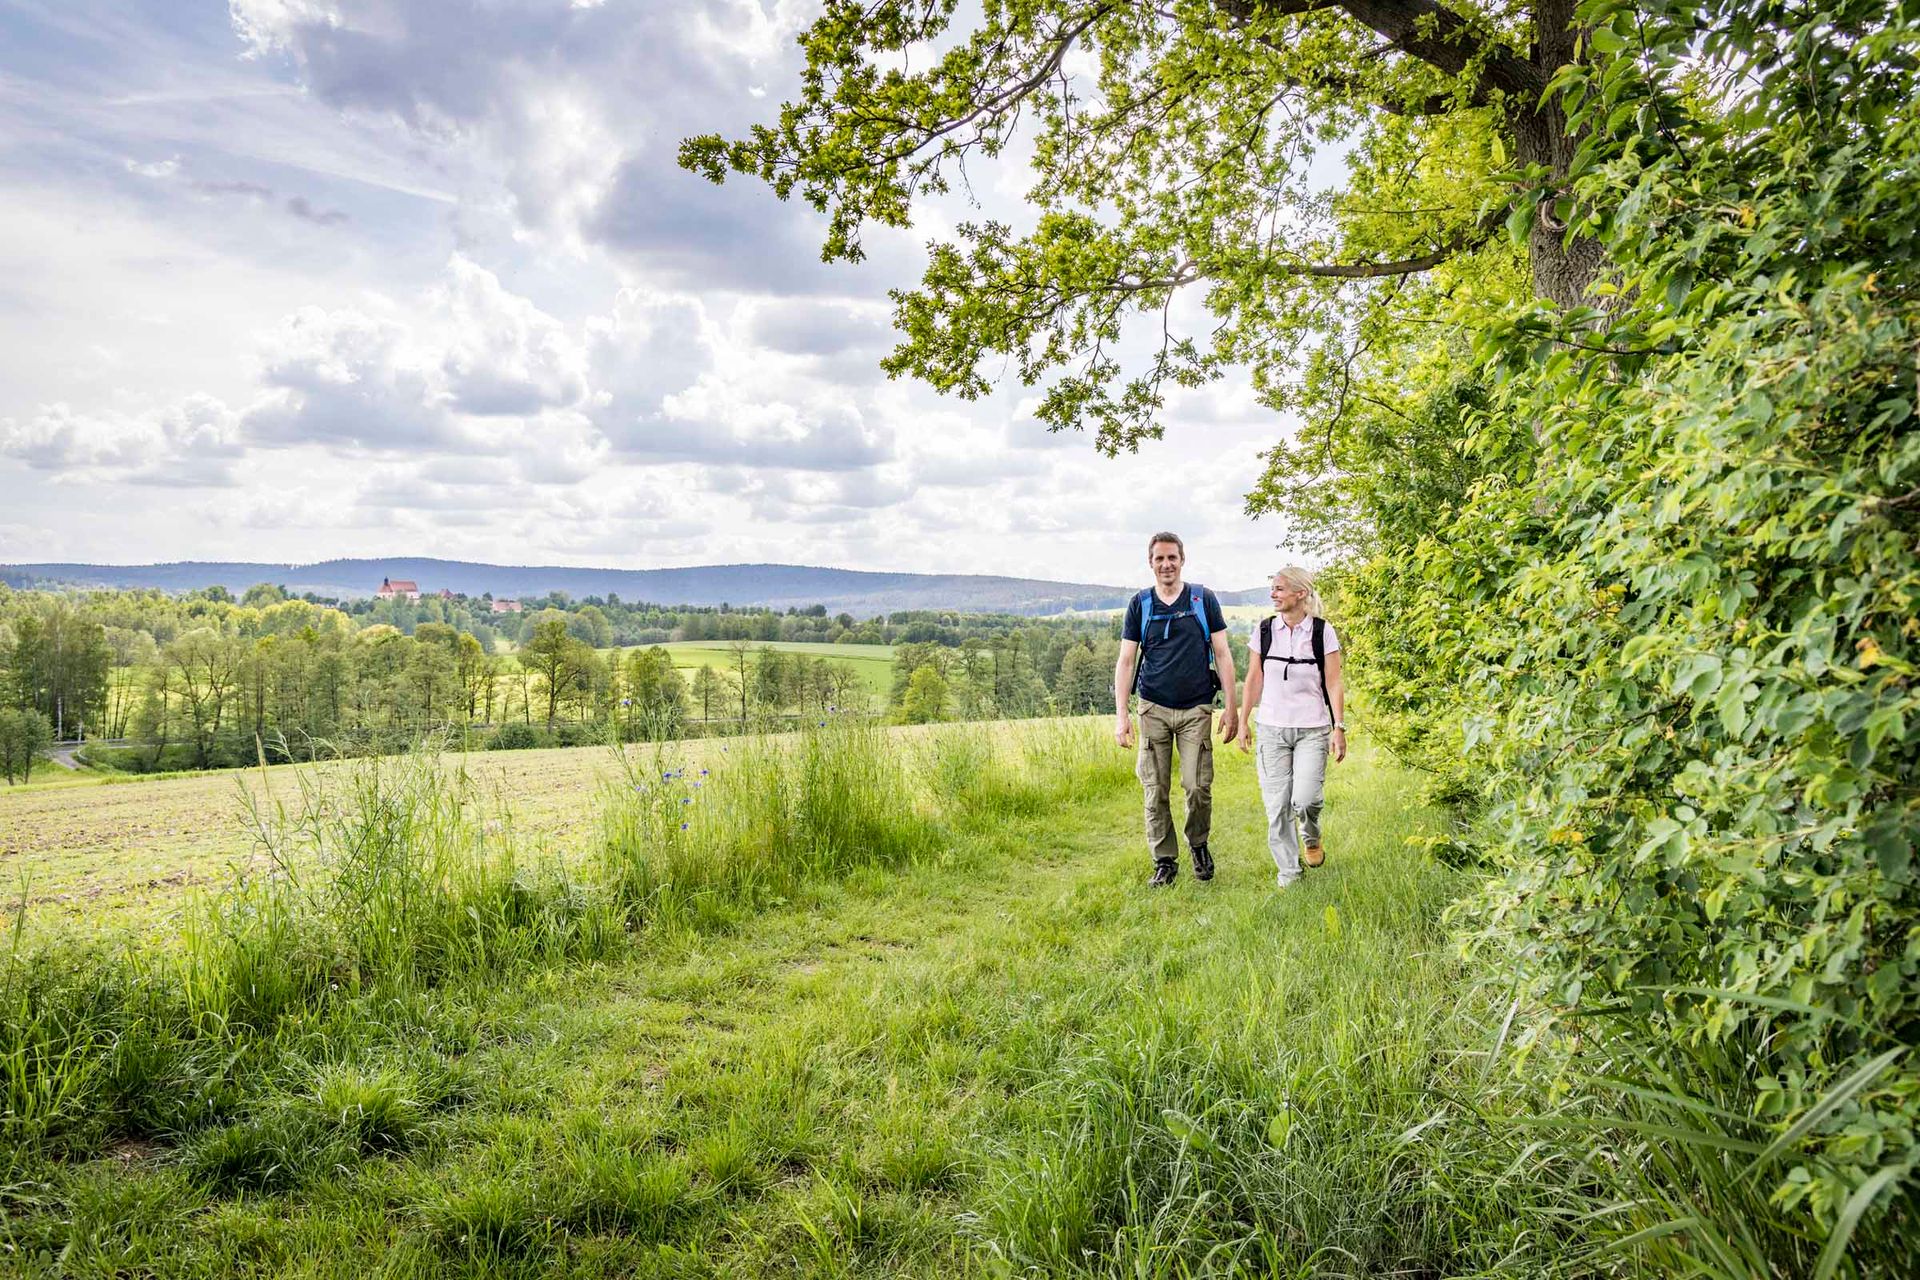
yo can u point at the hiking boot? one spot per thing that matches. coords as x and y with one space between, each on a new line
1202 862
1313 855
1282 880
1164 874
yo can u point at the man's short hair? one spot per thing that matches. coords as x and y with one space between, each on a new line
1164 536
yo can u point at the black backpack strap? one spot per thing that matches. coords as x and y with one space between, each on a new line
1266 641
1320 663
1145 601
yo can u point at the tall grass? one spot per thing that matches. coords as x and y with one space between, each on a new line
1204 1082
1307 1090
1691 1174
699 846
389 883
395 878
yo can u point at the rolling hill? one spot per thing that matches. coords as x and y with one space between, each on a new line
777 586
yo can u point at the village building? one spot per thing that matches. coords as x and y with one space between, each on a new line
506 606
397 589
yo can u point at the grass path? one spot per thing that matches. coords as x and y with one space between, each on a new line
1010 1060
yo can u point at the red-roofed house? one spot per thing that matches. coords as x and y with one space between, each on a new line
506 606
395 588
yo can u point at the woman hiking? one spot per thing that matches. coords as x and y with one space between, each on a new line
1294 693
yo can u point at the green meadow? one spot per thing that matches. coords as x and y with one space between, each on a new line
872 663
862 1002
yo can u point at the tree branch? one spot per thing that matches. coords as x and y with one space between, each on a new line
1462 241
1442 38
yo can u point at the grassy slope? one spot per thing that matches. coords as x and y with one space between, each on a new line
1014 1055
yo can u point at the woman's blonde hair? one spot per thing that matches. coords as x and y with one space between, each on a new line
1301 580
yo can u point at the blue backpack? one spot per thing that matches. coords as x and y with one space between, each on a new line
1195 598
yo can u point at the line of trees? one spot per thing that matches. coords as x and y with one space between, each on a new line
55 662
1016 674
205 680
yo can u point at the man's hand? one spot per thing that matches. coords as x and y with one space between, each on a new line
1123 731
1229 724
1339 745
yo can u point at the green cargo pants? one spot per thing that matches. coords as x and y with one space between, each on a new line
1160 729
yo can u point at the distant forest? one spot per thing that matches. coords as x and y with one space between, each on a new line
207 680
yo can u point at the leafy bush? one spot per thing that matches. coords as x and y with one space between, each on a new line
1674 641
515 736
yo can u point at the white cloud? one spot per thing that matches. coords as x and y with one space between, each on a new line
412 276
155 169
503 354
468 366
715 420
191 444
348 379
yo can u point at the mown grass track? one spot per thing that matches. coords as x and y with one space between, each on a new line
1004 1057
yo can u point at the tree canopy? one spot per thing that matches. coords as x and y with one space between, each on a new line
1172 149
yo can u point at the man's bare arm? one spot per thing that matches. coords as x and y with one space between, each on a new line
1123 692
1223 660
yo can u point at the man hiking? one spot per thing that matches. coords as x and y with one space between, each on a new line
1176 635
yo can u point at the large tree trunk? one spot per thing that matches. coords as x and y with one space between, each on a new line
1562 270
1442 38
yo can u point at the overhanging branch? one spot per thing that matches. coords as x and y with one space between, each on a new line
1462 241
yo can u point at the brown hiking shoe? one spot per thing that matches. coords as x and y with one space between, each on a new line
1313 855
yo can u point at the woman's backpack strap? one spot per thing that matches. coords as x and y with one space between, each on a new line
1320 662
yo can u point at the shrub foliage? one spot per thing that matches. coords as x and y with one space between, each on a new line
1674 641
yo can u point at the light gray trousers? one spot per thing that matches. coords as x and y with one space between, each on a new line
1292 764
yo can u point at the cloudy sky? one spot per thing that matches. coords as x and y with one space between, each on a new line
283 280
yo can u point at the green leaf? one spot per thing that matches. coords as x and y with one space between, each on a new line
1856 1207
1185 1128
1520 222
1607 41
1832 1102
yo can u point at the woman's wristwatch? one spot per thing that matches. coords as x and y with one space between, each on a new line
1341 725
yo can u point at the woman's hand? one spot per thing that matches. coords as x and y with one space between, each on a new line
1246 737
1339 745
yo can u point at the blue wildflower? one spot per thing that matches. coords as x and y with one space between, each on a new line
683 826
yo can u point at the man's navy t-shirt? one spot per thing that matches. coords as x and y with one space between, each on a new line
1173 654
